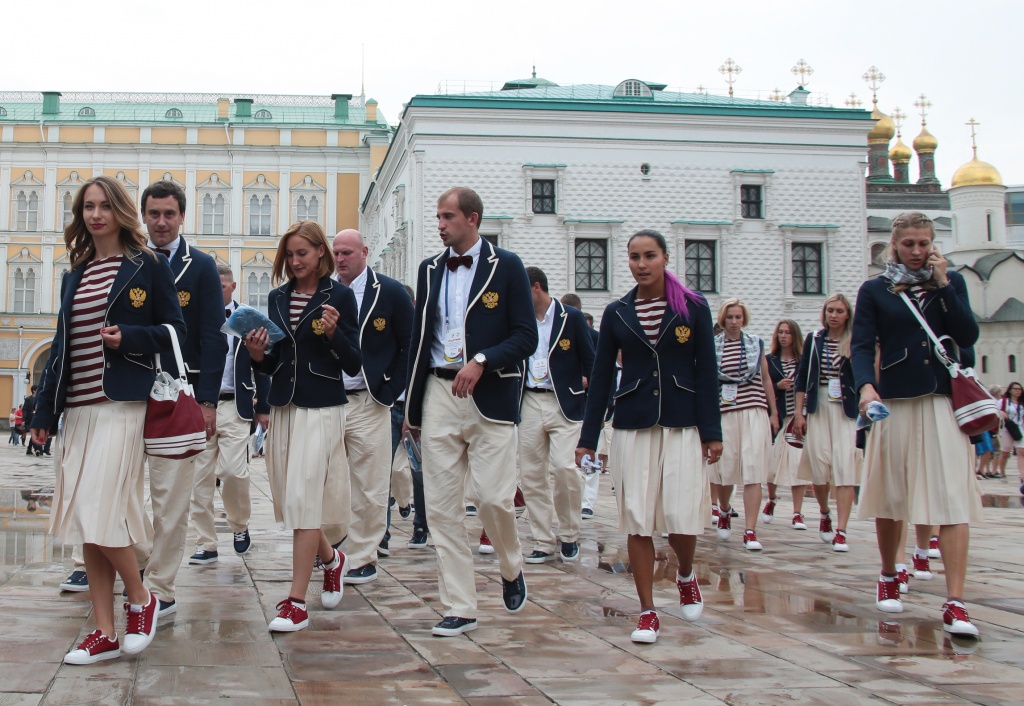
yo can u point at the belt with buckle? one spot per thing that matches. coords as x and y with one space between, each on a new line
355 391
226 396
444 373
539 389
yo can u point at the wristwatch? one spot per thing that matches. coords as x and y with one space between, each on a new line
211 405
481 359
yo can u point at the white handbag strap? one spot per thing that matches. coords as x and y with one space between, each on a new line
937 347
177 354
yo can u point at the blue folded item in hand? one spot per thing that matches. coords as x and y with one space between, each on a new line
245 319
875 412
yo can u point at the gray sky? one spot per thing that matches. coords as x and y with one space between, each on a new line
948 50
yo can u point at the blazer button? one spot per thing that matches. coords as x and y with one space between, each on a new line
291 380
655 373
924 343
655 393
927 362
108 365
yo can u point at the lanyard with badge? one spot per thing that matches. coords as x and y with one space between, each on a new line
453 338
538 369
730 390
835 384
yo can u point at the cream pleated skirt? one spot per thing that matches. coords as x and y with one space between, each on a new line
661 481
784 460
99 495
746 448
919 466
306 466
830 449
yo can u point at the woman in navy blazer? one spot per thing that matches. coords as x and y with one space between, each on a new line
919 466
783 360
826 404
667 422
305 449
114 304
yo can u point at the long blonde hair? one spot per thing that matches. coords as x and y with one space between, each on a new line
844 340
79 240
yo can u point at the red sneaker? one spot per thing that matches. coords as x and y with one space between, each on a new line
714 514
922 568
290 617
888 597
903 579
798 521
334 587
647 628
825 529
750 541
141 626
768 513
933 548
690 602
96 647
724 525
956 621
839 542
485 544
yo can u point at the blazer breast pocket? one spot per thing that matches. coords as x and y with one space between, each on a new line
325 372
625 389
891 359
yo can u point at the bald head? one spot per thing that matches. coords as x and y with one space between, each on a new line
349 254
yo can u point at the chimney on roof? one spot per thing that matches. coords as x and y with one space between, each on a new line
341 105
51 102
371 111
243 107
223 112
798 96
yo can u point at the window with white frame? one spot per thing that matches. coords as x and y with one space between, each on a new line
257 288
24 291
213 214
543 195
591 264
807 268
66 215
307 208
26 210
307 200
701 265
260 212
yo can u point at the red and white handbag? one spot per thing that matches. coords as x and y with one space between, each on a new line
175 427
975 409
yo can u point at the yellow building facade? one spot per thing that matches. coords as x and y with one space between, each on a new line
250 166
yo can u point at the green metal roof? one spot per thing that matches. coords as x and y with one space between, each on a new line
593 97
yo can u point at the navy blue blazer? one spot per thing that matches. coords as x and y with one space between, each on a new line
776 374
808 375
673 383
142 299
305 367
907 366
202 304
385 326
499 323
570 359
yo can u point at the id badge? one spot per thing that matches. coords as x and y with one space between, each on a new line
453 345
729 392
835 390
539 369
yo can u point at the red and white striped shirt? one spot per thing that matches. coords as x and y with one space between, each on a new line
85 354
748 394
295 306
650 312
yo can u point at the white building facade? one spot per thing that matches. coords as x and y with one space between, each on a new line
758 199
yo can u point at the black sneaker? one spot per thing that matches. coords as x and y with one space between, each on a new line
203 556
242 541
78 581
405 511
382 548
471 511
570 551
452 626
166 608
539 557
364 574
587 514
418 539
513 593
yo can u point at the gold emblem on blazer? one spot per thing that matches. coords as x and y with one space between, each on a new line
318 327
682 334
184 298
564 344
138 297
490 299
379 324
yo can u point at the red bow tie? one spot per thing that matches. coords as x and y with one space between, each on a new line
164 251
453 263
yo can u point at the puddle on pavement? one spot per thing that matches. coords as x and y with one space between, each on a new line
1002 501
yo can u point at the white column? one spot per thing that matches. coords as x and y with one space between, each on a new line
49 196
331 216
46 280
191 225
237 226
5 199
284 202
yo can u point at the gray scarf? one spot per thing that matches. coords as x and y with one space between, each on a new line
750 358
900 274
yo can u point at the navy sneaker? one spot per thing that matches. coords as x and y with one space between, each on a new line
77 581
242 541
405 511
539 557
418 539
452 626
587 514
383 549
471 511
203 556
166 608
364 574
570 551
513 593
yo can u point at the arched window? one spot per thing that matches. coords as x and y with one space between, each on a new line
213 214
173 114
67 216
1012 363
262 115
27 205
259 215
307 210
86 113
3 112
258 289
633 89
24 291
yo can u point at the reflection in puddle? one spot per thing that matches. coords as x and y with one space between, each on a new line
1003 501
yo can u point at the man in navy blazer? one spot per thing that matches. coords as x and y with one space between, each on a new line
203 350
554 399
385 324
472 332
243 397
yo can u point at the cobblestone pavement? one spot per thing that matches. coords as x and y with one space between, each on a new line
794 623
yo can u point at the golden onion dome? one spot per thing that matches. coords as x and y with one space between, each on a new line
884 129
900 152
925 142
976 173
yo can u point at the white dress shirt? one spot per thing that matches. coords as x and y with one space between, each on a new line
358 286
171 246
451 307
227 380
539 376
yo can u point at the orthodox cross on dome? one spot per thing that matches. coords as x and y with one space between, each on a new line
898 116
874 78
701 90
853 101
923 104
974 143
730 69
803 71
776 95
